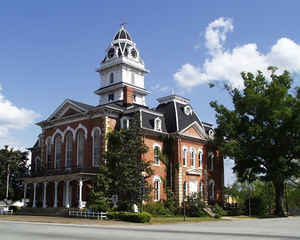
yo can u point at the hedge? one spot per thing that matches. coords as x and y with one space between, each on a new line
142 217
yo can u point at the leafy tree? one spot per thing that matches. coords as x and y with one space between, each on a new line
262 131
125 170
12 162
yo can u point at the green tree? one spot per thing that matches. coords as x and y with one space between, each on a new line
125 170
12 162
262 131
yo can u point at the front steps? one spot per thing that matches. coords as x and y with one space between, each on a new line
53 212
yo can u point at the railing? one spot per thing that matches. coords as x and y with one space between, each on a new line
88 214
6 212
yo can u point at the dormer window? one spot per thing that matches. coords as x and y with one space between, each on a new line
188 110
125 123
111 78
111 97
157 124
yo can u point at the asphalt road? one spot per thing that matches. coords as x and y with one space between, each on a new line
280 228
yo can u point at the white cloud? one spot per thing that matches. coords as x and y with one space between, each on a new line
227 64
160 88
13 117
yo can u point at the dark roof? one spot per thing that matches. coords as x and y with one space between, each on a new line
183 119
148 121
122 34
82 105
168 110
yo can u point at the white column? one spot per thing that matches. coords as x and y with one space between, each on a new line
45 195
55 194
25 191
80 183
34 195
67 204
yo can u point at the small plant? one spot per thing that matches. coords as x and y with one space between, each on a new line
157 209
194 207
218 210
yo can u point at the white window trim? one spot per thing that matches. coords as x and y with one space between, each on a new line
157 127
156 145
93 147
127 122
158 179
66 150
193 157
48 149
185 189
55 150
200 161
185 156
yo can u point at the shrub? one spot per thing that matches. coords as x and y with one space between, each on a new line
257 205
170 203
157 209
113 215
194 207
234 211
142 217
217 216
218 210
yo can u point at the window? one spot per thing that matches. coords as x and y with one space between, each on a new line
193 162
111 78
157 124
132 78
125 123
200 158
201 190
37 164
57 152
80 149
185 189
184 157
134 98
211 191
156 155
188 110
157 182
211 161
48 153
69 149
96 148
193 187
111 97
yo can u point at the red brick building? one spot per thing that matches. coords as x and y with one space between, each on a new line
66 157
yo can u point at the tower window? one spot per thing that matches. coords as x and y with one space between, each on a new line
111 77
111 97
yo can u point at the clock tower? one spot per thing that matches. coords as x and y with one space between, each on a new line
122 72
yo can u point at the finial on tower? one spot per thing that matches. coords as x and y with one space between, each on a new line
123 24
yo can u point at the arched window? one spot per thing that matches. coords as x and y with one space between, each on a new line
57 152
37 164
111 78
157 182
184 157
69 149
156 154
193 158
48 153
157 124
211 191
80 149
96 147
125 122
200 158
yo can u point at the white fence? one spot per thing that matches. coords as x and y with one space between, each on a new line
6 212
88 214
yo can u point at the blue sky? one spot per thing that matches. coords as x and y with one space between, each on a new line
49 51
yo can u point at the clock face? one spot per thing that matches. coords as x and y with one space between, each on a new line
133 53
111 53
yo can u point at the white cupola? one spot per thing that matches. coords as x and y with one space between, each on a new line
122 72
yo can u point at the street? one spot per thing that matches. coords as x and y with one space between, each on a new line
277 228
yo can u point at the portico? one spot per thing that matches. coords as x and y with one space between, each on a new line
58 190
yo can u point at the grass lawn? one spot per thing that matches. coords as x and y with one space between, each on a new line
180 219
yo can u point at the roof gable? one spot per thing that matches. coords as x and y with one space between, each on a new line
194 130
68 108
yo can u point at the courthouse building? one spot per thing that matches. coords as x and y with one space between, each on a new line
66 157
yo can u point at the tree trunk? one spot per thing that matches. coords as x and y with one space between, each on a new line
279 197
